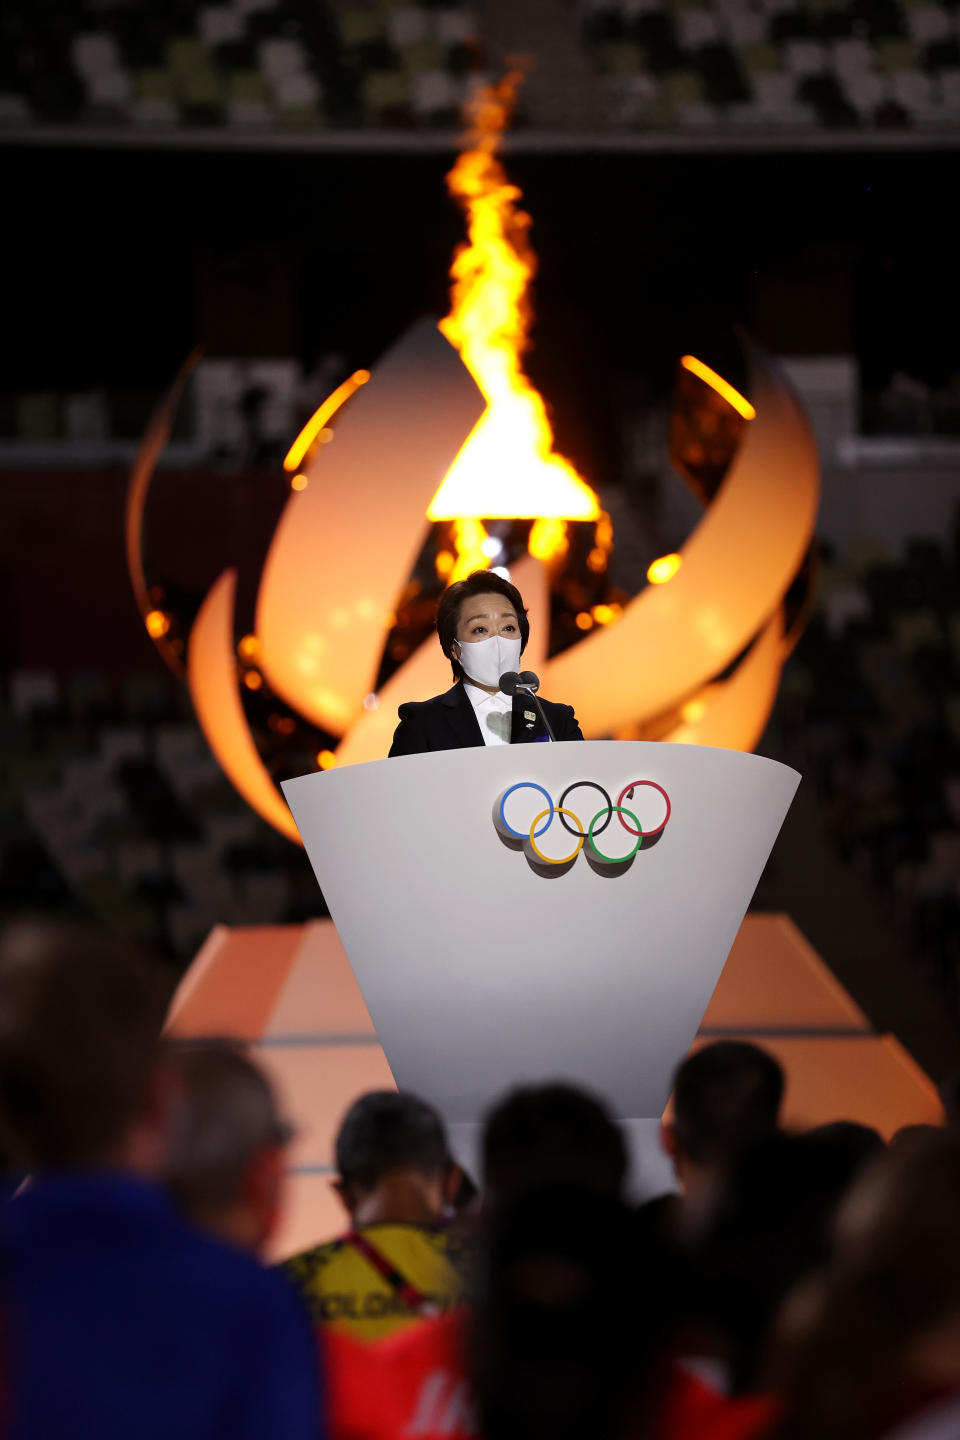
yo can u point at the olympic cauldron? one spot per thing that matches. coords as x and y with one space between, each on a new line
440 461
436 461
695 658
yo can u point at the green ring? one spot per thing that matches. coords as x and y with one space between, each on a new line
615 859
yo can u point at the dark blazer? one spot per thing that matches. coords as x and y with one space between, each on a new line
449 722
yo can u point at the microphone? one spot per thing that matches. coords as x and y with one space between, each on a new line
526 682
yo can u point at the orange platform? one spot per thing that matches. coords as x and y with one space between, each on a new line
290 992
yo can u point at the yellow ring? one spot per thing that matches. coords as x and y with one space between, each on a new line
546 858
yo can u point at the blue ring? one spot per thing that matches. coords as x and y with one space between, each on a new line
525 834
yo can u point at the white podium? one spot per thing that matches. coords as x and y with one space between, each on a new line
488 956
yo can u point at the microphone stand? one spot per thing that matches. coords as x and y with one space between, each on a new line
529 690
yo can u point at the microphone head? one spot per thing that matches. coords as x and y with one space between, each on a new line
509 682
530 680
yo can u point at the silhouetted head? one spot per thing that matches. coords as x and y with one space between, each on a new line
771 1227
393 1160
571 1307
225 1164
844 1147
725 1095
80 1018
883 1327
554 1134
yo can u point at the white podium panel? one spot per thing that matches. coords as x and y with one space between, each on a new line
484 964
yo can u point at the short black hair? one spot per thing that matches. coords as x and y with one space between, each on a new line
726 1096
843 1148
481 582
552 1134
388 1130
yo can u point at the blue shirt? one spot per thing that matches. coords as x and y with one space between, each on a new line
123 1323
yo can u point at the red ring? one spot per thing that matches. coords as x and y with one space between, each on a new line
647 834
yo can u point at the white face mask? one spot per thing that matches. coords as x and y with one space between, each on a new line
486 660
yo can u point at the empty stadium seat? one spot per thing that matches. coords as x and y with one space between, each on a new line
31 691
781 62
316 63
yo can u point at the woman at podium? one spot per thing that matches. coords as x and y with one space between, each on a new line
483 630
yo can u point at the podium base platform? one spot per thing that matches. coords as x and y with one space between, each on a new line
290 993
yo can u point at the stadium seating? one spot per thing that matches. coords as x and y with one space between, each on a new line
871 703
783 65
248 410
748 66
111 804
247 64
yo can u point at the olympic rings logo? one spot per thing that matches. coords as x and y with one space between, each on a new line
524 816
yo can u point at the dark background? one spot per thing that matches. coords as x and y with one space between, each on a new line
119 261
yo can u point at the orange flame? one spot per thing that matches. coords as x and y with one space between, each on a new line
507 467
468 536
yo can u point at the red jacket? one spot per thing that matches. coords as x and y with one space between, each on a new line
415 1383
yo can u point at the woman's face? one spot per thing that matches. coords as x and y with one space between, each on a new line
484 615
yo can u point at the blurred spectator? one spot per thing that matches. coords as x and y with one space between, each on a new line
726 1096
396 1180
551 1135
558 1345
225 1162
251 406
908 1134
80 1022
121 1320
950 1097
327 371
769 1228
874 1350
906 402
572 1314
846 1146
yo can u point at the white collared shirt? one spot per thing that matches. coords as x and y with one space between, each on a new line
494 714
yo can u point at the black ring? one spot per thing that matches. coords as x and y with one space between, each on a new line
593 786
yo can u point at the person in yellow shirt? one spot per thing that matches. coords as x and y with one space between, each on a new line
397 1263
